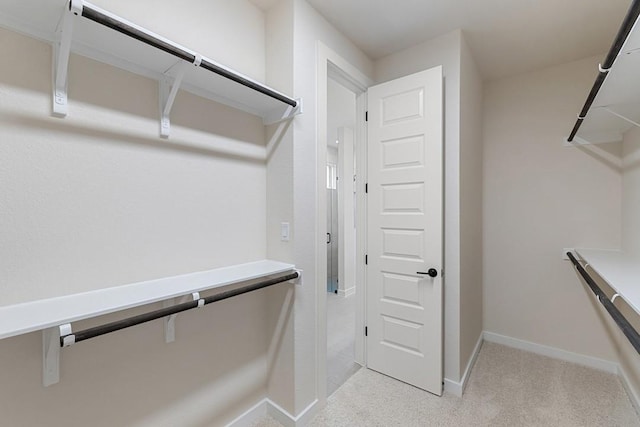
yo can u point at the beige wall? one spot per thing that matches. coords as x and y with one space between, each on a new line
540 197
88 205
98 199
631 192
471 88
627 355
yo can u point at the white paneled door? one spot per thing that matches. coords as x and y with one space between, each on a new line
405 229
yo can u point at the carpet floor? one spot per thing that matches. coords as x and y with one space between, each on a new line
507 387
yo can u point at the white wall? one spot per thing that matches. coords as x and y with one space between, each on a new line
293 30
540 197
445 51
279 74
98 199
309 29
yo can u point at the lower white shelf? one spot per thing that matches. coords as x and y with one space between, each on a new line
619 269
53 316
37 315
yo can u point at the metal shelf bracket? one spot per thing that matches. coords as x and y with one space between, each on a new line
51 352
170 321
61 52
50 356
169 87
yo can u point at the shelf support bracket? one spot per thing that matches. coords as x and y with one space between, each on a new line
170 321
169 87
61 52
51 346
50 356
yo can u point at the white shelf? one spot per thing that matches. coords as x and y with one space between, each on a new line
42 314
45 21
617 106
619 269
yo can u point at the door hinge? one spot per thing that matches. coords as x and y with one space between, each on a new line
366 331
366 116
366 188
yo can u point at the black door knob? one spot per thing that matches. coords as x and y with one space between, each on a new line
432 272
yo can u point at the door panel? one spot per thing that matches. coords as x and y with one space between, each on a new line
404 308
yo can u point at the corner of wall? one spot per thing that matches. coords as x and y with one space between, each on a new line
279 72
471 175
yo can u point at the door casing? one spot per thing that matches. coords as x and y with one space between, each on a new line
330 63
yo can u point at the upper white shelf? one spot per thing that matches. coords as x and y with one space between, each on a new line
619 269
616 108
46 313
103 36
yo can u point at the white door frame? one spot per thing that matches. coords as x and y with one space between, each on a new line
349 76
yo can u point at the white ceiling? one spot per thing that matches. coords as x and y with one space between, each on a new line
507 37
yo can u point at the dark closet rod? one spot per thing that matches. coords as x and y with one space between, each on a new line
624 325
97 16
178 308
623 33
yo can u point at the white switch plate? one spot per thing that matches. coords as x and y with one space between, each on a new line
284 231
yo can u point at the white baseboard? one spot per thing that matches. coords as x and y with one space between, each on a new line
347 292
633 394
288 420
251 415
556 353
457 388
267 407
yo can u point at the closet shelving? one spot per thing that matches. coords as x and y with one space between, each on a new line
619 269
613 104
611 109
81 27
54 316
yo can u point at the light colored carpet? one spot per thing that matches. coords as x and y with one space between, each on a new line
507 387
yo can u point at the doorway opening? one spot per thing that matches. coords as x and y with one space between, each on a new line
341 235
332 68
